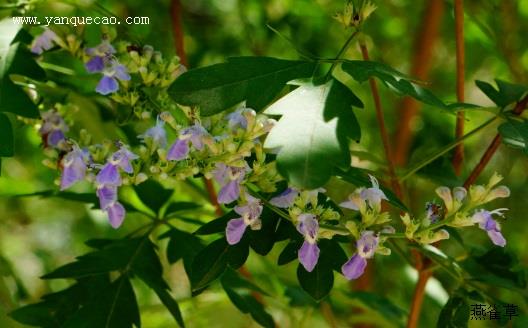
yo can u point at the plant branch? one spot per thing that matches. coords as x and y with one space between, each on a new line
458 158
444 150
177 30
383 130
340 53
408 109
492 148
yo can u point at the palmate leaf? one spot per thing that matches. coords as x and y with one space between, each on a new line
313 133
361 71
254 79
130 257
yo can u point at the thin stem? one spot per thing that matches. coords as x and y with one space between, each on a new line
418 296
422 59
340 53
177 30
444 150
458 158
492 148
383 130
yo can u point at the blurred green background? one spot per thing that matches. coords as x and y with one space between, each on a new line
37 235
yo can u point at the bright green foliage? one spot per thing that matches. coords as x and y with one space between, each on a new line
313 132
257 80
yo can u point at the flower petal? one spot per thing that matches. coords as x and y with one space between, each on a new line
354 267
285 199
107 85
54 137
229 192
497 238
116 214
94 65
235 230
178 151
107 195
308 255
109 175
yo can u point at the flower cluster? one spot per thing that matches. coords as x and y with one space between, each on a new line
227 148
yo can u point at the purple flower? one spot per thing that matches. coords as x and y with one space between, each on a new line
433 212
156 134
111 73
43 42
366 247
238 118
74 167
487 223
102 61
109 174
308 254
179 150
192 135
366 196
250 213
230 178
285 199
52 129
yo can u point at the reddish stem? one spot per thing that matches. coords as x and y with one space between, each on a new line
409 108
177 30
383 130
458 158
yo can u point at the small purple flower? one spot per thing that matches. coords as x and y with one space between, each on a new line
192 135
156 134
238 119
109 174
250 213
230 178
366 247
111 73
366 196
285 199
43 42
433 212
308 254
53 129
100 56
487 223
74 167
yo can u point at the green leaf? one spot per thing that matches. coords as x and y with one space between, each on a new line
289 253
455 314
262 240
507 93
359 178
135 256
317 283
212 261
182 245
381 305
361 71
174 208
216 225
497 267
313 133
114 307
7 143
254 79
246 303
515 133
15 58
153 194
